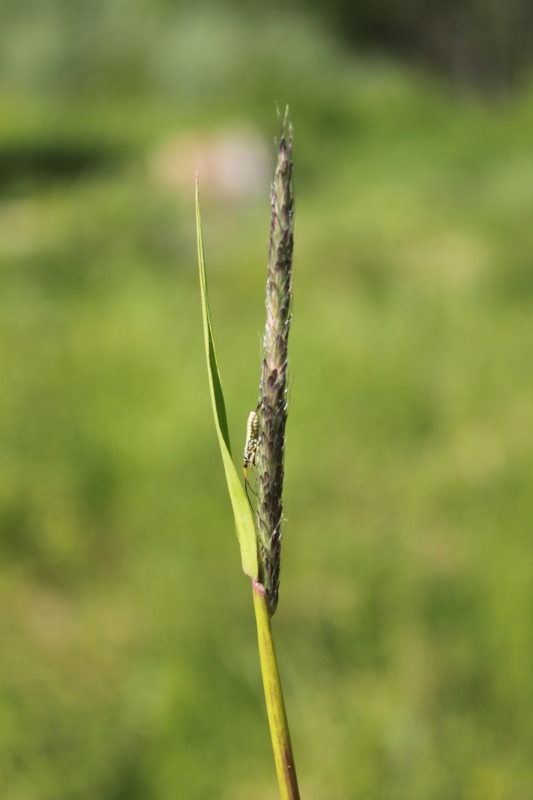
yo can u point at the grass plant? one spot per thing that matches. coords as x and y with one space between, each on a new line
261 550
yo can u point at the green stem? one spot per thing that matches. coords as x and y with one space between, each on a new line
277 717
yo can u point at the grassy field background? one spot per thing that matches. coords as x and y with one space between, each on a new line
128 665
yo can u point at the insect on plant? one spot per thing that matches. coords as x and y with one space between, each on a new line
250 448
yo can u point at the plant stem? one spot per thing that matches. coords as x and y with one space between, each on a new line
277 717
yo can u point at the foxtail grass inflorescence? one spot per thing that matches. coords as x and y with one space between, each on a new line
272 408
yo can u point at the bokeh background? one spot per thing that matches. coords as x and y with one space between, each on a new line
128 662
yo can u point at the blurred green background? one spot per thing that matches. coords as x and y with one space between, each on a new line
128 663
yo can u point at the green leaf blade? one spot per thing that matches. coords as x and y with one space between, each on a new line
244 523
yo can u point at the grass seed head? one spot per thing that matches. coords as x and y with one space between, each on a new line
272 410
